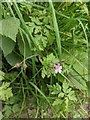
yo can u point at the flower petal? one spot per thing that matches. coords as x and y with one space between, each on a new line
60 67
60 71
55 71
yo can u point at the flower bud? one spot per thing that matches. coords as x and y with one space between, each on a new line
25 66
17 65
8 14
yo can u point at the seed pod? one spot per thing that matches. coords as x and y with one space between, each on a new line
17 65
25 66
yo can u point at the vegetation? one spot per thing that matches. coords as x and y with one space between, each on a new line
44 59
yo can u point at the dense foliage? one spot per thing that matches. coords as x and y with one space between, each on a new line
44 59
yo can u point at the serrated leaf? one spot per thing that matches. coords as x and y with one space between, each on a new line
44 73
7 45
40 41
9 27
61 94
5 91
1 115
68 90
15 108
48 63
55 89
71 95
13 100
65 86
36 20
58 87
8 111
1 75
57 102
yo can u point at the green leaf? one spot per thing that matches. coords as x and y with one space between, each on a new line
56 28
81 70
55 89
48 63
13 58
14 99
1 115
57 102
1 75
40 41
15 108
0 12
65 86
5 91
11 75
71 96
7 110
9 27
66 102
61 94
36 88
7 45
21 46
36 20
43 72
68 90
31 26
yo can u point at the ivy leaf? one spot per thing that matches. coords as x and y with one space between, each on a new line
9 27
7 45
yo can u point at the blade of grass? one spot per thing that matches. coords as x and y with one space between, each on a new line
75 58
33 60
40 92
27 31
58 39
43 96
19 31
24 96
84 31
44 8
22 20
23 43
75 83
58 13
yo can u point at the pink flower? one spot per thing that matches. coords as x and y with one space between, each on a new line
58 69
